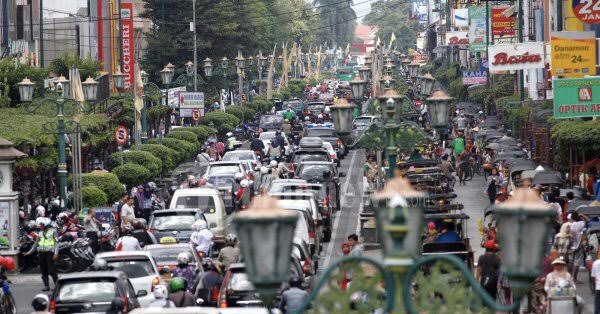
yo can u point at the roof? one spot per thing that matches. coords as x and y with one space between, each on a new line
327 163
232 162
197 191
365 32
289 181
7 151
123 253
91 274
175 210
158 246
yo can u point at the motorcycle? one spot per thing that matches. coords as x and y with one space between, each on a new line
74 255
25 244
107 239
8 305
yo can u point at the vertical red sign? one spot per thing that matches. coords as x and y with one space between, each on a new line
503 20
127 43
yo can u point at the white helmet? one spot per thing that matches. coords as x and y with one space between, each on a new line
40 221
160 292
307 118
229 134
327 110
480 112
238 175
183 258
244 183
55 202
320 116
200 225
273 163
264 170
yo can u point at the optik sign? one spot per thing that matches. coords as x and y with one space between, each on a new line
578 97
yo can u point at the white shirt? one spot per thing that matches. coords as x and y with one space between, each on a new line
576 230
127 211
596 273
129 243
203 240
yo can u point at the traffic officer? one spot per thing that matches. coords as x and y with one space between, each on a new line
46 245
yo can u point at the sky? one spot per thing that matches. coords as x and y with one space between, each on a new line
362 7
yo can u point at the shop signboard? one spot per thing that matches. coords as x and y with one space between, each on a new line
474 77
587 11
477 25
503 20
127 43
188 101
4 224
512 57
573 54
576 97
457 38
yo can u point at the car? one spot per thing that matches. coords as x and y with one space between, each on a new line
315 172
176 223
270 122
309 265
209 201
221 175
140 268
332 153
305 203
242 155
363 122
309 154
327 134
295 104
266 137
94 292
236 289
165 255
204 310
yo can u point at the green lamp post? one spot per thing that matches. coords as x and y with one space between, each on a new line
427 82
341 114
439 107
413 70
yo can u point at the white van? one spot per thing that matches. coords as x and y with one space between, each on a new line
207 200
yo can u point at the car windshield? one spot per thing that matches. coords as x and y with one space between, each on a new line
133 268
219 170
99 290
240 282
167 255
235 156
310 156
201 202
271 120
362 121
313 171
221 180
316 107
320 132
173 222
265 136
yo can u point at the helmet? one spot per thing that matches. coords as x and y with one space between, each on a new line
160 292
200 224
273 163
152 186
177 284
244 183
40 302
306 118
264 170
99 264
183 258
295 281
229 134
40 221
63 216
8 263
320 116
238 175
55 203
327 110
136 224
31 225
127 230
286 121
231 239
480 112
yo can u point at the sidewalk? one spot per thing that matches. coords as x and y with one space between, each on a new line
475 201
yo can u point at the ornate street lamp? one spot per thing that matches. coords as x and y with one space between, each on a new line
240 62
364 73
145 77
208 67
358 89
224 64
413 69
427 83
118 79
26 88
170 66
439 107
267 232
405 62
189 68
386 81
90 89
62 86
341 114
166 75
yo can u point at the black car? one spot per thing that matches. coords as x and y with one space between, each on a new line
237 290
324 173
309 154
270 122
328 135
94 292
176 223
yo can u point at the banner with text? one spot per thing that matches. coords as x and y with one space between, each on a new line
573 54
503 20
512 57
477 33
457 39
188 101
579 97
127 43
474 77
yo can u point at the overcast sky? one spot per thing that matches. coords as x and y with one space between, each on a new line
362 7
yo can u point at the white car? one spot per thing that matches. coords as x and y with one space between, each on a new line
140 268
242 155
209 201
332 152
266 137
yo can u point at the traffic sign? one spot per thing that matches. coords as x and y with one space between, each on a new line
587 11
121 135
195 114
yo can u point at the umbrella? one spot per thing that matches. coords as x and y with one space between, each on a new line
547 177
507 140
528 174
512 154
494 146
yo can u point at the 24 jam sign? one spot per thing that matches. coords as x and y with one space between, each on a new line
587 11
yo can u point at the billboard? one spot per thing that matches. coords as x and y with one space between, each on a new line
576 97
477 25
188 101
503 20
474 77
512 57
573 54
457 39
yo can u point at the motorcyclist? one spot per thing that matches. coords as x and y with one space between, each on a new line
229 254
47 248
235 186
230 141
288 114
201 237
30 236
40 304
257 145
140 233
265 179
178 293
161 297
242 196
287 128
319 118
128 242
68 229
184 269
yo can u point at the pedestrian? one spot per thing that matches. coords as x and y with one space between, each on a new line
559 282
562 242
90 225
128 242
577 224
447 170
127 213
138 198
347 276
494 181
179 294
229 254
161 297
488 269
184 269
117 213
46 246
293 298
356 248
40 304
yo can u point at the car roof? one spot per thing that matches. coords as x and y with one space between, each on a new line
218 163
92 274
289 181
303 194
196 191
328 163
166 246
168 211
245 151
123 254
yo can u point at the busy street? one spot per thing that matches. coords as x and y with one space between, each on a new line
292 157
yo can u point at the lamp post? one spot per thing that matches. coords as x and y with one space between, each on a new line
60 127
427 83
438 106
240 63
358 90
413 70
341 113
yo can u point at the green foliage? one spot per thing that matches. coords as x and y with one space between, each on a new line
458 90
336 21
132 174
393 16
88 67
166 155
93 196
241 112
201 131
296 87
584 135
27 163
12 72
501 86
284 93
184 149
187 136
142 158
159 111
224 122
261 104
107 182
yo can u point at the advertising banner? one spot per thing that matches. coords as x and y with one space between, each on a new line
474 77
579 97
573 54
511 57
457 39
188 101
4 223
477 33
587 11
503 20
127 43
461 17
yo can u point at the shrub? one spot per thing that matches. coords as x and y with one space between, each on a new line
201 131
458 90
142 158
166 155
107 182
296 87
185 149
93 196
284 93
261 104
224 122
241 112
187 136
132 174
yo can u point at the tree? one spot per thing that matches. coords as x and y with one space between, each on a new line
393 16
337 20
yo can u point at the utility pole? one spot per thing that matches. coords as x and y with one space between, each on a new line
520 35
41 56
195 47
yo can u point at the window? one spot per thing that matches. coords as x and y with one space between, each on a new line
223 170
99 290
201 202
135 268
173 222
